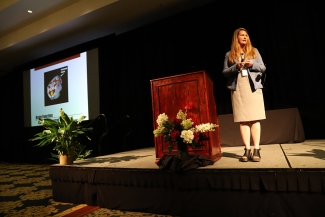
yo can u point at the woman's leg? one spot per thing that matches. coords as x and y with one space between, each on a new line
256 133
245 132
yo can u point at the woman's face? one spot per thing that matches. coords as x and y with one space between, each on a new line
242 37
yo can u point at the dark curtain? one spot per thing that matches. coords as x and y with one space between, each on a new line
289 36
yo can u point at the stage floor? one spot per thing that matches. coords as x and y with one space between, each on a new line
289 181
308 154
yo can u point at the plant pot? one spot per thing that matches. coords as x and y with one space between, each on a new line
182 151
66 159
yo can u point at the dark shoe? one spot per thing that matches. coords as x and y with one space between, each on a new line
256 155
247 155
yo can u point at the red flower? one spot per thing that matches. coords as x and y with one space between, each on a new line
189 106
174 134
178 121
196 137
195 121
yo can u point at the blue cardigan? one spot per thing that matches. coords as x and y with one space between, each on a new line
231 72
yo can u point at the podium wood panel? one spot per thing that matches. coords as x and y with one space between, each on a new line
170 94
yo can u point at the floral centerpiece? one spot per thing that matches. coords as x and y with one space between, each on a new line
64 133
184 129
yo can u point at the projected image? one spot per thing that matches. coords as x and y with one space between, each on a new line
60 84
70 83
56 86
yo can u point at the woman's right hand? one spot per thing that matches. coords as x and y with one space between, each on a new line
240 65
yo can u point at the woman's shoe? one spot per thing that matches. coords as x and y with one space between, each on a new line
256 155
247 155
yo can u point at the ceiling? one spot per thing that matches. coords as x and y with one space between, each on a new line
55 25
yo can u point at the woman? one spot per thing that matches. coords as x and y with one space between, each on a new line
243 66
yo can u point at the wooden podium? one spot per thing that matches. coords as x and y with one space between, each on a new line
170 94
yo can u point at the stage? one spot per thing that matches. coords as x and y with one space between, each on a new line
289 181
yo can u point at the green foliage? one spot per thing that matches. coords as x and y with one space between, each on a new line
65 134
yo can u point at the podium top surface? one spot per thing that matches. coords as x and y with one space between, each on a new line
184 74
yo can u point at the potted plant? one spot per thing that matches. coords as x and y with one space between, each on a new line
64 133
182 131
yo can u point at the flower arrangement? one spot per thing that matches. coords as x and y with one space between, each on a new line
64 133
183 129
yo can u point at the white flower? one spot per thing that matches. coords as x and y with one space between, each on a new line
187 123
181 115
61 112
162 118
205 127
62 115
47 131
158 131
187 136
80 119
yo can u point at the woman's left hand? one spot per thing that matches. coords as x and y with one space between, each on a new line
249 63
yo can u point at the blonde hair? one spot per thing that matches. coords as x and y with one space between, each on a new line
235 49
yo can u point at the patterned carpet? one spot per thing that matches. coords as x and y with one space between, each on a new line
25 190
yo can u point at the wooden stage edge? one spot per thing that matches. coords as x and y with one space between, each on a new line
307 154
289 181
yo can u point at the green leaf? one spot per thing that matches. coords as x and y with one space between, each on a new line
167 137
170 148
63 133
193 144
66 118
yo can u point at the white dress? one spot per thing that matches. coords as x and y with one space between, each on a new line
247 105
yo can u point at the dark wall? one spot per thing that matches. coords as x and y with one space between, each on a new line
289 37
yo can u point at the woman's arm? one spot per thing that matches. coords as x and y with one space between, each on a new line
229 71
258 64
